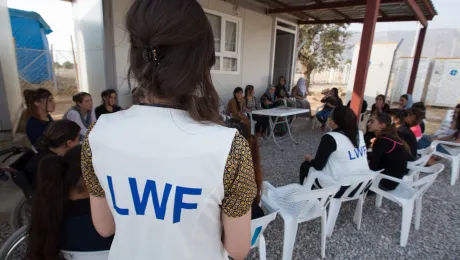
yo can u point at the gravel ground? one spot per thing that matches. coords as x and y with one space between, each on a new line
438 237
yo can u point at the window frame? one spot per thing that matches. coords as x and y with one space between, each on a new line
228 54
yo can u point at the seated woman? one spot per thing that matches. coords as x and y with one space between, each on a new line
251 105
413 120
342 152
455 137
421 106
109 100
61 213
82 113
268 99
300 93
58 138
331 100
40 103
257 211
380 105
280 89
389 152
236 107
406 101
397 117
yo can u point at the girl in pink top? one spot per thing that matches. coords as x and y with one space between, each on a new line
413 120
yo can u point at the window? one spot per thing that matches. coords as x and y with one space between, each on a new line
226 30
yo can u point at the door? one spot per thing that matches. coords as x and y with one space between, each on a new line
284 52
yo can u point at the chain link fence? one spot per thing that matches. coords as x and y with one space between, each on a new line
53 70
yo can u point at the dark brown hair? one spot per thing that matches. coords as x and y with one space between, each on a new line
390 130
382 97
400 114
106 93
35 95
58 133
238 104
346 121
172 53
418 113
78 98
57 176
248 89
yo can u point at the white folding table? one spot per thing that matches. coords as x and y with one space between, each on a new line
276 113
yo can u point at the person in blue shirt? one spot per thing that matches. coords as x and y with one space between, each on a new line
40 103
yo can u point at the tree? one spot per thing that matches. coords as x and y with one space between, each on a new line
323 46
67 65
57 65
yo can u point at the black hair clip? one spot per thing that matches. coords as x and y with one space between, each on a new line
150 54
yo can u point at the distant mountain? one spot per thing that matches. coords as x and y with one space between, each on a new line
438 42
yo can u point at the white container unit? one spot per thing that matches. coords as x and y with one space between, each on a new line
444 83
402 75
379 70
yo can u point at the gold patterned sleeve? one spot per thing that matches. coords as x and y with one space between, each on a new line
91 180
240 187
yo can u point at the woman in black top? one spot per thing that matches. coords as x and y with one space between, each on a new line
40 103
397 117
389 152
109 100
331 100
380 106
61 215
281 91
57 139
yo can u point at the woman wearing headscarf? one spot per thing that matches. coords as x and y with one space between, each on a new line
406 101
269 99
300 92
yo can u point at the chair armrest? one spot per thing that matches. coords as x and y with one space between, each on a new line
436 142
382 176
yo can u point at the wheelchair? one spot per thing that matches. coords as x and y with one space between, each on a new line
19 156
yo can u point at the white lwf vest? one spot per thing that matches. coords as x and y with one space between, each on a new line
347 160
162 174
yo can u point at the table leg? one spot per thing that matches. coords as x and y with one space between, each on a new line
272 127
289 130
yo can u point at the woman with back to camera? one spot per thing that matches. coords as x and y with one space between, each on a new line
389 152
61 215
178 184
40 103
58 138
341 152
109 103
82 113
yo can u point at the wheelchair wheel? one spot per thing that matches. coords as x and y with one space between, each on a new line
15 246
20 215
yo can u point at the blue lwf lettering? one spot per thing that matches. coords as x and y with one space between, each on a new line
359 152
150 190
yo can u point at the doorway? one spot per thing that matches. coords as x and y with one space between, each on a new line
284 50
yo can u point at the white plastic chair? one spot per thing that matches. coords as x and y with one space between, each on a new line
446 123
253 123
315 120
357 189
406 195
95 255
414 167
296 204
258 226
454 156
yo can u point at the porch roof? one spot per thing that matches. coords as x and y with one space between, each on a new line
351 11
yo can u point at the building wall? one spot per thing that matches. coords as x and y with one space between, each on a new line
89 41
255 49
10 91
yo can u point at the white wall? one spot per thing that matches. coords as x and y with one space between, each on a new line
89 29
10 90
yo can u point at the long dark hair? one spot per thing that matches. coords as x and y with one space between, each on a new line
35 95
390 130
57 176
382 97
336 92
78 98
346 121
248 89
418 113
106 93
172 53
236 90
58 133
400 114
